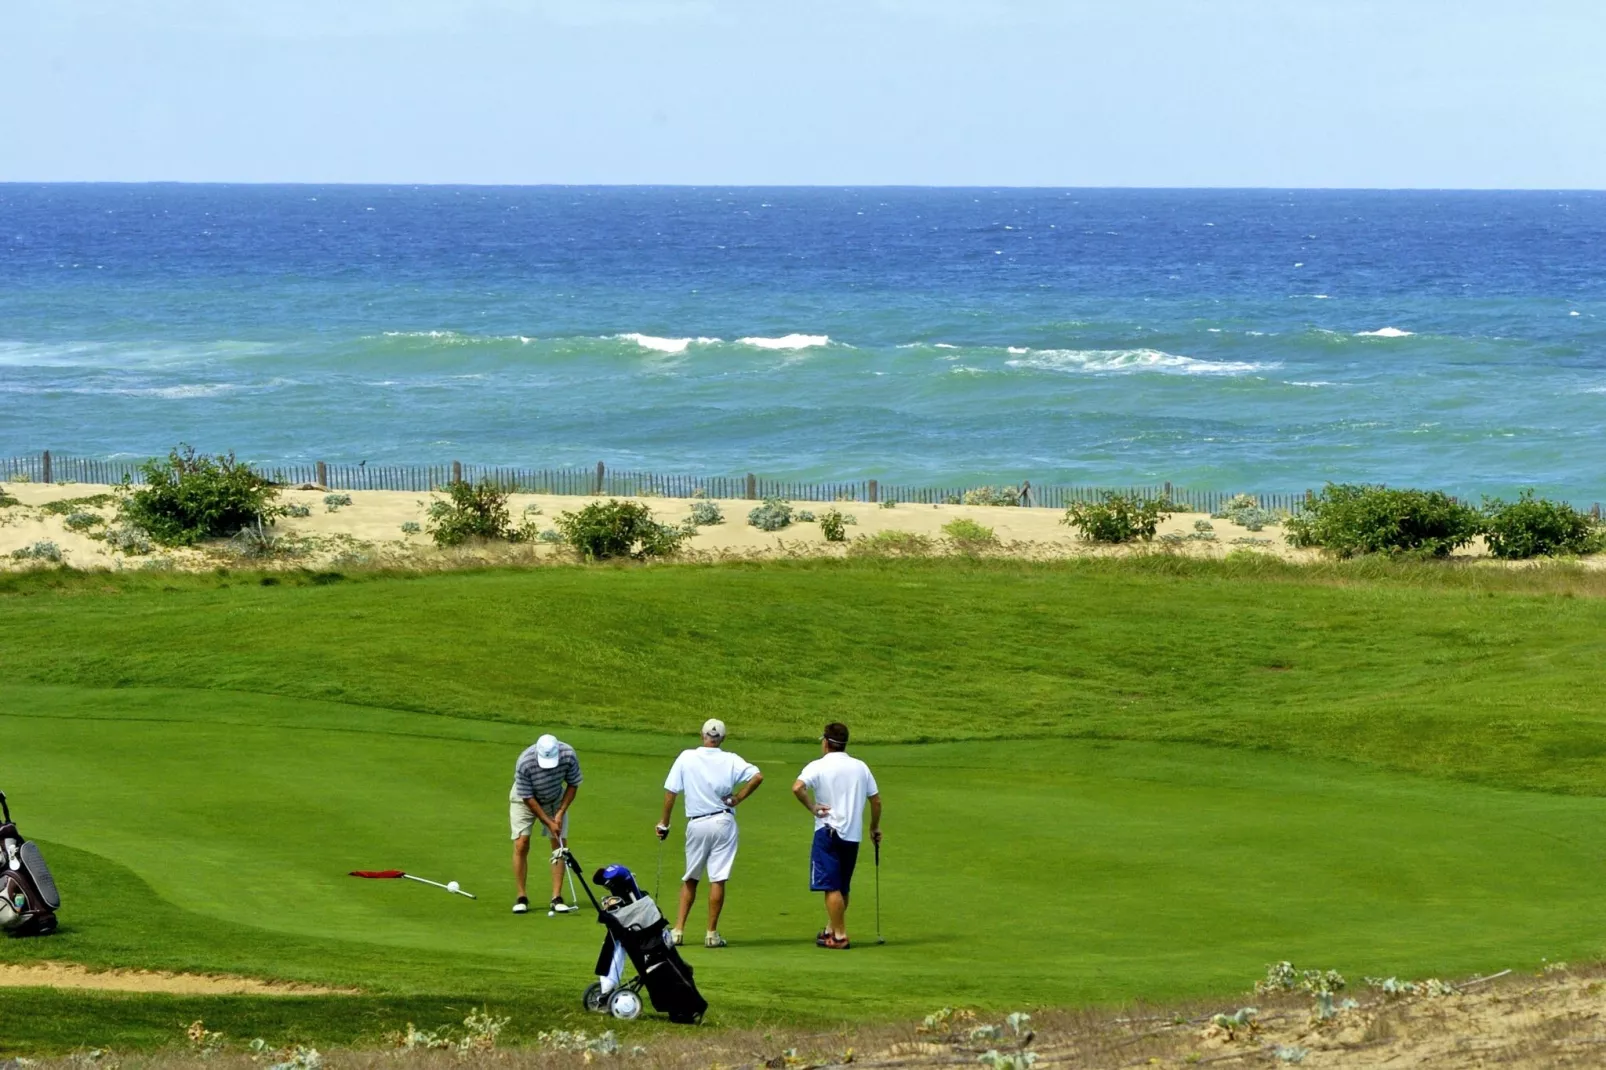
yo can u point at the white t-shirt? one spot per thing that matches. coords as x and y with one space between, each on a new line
705 775
844 784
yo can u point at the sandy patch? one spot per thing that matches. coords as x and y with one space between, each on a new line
369 531
71 975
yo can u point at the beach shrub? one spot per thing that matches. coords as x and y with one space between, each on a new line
43 550
889 503
411 527
297 510
1349 519
334 502
1245 511
1118 518
550 535
618 529
1538 527
469 511
804 516
8 500
192 496
68 506
258 541
125 539
82 520
892 543
991 496
773 515
968 535
834 526
704 511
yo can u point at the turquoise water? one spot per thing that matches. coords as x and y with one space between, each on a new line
1223 339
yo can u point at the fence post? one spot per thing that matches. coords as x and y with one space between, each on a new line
1168 490
457 471
322 475
44 475
1596 512
752 487
602 474
874 491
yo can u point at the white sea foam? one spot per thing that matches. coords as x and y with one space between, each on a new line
1018 350
1310 382
1384 332
789 341
1133 360
944 345
666 345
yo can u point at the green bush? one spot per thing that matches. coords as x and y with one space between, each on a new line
1538 527
991 496
618 529
334 502
968 535
127 540
7 500
834 526
83 520
1349 519
804 516
411 527
704 512
44 550
469 511
67 506
773 515
1245 511
1118 518
191 496
296 509
892 544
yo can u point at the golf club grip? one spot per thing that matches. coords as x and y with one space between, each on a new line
5 807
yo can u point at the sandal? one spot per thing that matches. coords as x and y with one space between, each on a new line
822 937
834 943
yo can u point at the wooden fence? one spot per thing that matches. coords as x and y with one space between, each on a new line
601 480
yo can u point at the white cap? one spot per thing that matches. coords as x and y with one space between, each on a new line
714 729
546 751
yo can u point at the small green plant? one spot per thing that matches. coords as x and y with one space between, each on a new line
469 511
83 521
773 515
335 502
614 528
411 527
834 526
1245 511
258 541
550 535
968 535
43 550
1539 527
889 503
704 512
301 1057
892 543
8 500
1118 518
1240 1025
124 539
579 1041
804 516
1350 519
190 497
67 506
991 496
297 510
1202 526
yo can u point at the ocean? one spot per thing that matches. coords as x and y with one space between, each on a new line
1263 340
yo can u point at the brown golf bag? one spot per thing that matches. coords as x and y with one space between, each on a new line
28 896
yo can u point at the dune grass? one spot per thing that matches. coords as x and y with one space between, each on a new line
1104 780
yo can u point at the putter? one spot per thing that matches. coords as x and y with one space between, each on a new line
658 882
878 937
572 893
396 874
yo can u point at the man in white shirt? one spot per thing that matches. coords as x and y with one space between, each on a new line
715 782
840 787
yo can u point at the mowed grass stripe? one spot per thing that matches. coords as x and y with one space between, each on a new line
1470 678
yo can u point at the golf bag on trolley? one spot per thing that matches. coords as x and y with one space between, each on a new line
638 935
28 896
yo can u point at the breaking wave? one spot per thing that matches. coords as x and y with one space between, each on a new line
1384 332
1132 360
663 345
788 341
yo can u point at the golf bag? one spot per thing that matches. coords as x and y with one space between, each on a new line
28 896
637 934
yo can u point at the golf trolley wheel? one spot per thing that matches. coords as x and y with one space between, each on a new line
625 1004
595 999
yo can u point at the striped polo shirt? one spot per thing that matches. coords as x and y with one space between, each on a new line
545 786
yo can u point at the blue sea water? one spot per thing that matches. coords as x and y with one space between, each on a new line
1217 339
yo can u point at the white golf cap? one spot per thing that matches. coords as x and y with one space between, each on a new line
714 728
546 751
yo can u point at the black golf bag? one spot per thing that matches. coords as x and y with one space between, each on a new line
638 932
28 896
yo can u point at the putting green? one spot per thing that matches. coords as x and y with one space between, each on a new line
210 830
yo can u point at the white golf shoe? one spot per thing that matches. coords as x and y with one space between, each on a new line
560 907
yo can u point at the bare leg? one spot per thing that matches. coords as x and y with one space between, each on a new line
557 871
716 903
688 896
521 862
836 905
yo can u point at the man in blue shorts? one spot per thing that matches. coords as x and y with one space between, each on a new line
834 788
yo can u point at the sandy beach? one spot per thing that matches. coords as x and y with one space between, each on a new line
369 532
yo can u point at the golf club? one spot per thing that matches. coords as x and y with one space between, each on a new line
396 874
561 855
658 881
878 937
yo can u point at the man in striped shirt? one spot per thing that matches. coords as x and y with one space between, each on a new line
546 779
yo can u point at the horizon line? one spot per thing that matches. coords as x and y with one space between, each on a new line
302 183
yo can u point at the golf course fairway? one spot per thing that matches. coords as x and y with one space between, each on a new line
1122 783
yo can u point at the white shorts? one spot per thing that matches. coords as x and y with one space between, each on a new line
523 821
710 847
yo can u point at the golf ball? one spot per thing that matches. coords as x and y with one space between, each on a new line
552 913
453 886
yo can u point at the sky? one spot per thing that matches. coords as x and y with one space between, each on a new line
1180 93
